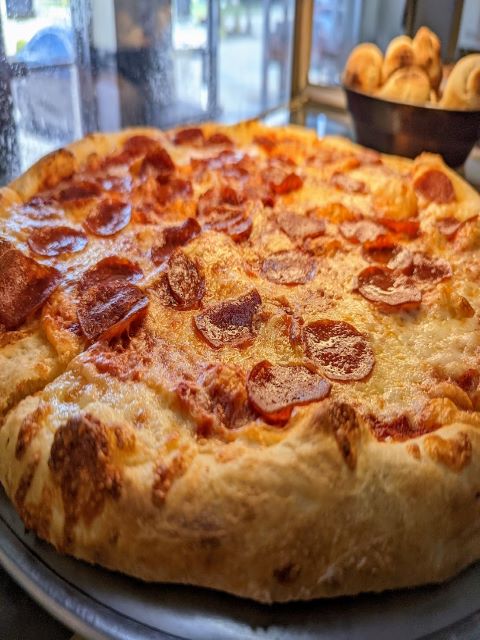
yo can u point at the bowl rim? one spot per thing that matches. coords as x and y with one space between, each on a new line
429 107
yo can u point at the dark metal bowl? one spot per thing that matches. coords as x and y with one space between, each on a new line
407 130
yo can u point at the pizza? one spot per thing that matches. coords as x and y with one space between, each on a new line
243 358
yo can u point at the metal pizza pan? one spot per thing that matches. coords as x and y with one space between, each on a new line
104 605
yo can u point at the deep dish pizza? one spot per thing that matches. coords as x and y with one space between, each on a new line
243 358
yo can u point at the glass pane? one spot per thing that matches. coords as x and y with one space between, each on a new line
254 57
335 30
191 60
72 66
39 80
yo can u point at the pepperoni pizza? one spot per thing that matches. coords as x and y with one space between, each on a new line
243 358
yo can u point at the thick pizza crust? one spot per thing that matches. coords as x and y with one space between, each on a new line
317 510
291 520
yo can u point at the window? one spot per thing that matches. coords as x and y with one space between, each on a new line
335 31
73 66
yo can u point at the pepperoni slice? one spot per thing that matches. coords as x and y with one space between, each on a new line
435 186
264 141
133 147
213 198
108 308
192 135
409 228
388 289
428 269
301 227
419 265
173 237
227 157
164 293
360 231
139 145
177 236
172 189
289 267
83 190
158 160
219 139
449 226
225 211
230 219
109 217
53 241
108 269
282 182
347 183
24 285
381 250
242 169
401 260
274 390
342 352
185 280
230 322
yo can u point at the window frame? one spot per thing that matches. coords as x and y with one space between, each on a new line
301 87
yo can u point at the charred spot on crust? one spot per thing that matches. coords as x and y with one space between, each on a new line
163 476
345 425
341 419
81 461
29 428
287 574
37 516
25 484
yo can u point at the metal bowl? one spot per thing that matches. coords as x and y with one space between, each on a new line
407 129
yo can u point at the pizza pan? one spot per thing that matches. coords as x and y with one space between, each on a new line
103 605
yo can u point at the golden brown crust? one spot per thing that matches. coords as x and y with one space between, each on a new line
321 506
399 55
462 89
427 50
196 533
363 69
407 84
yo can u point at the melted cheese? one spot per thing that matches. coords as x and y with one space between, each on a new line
412 350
